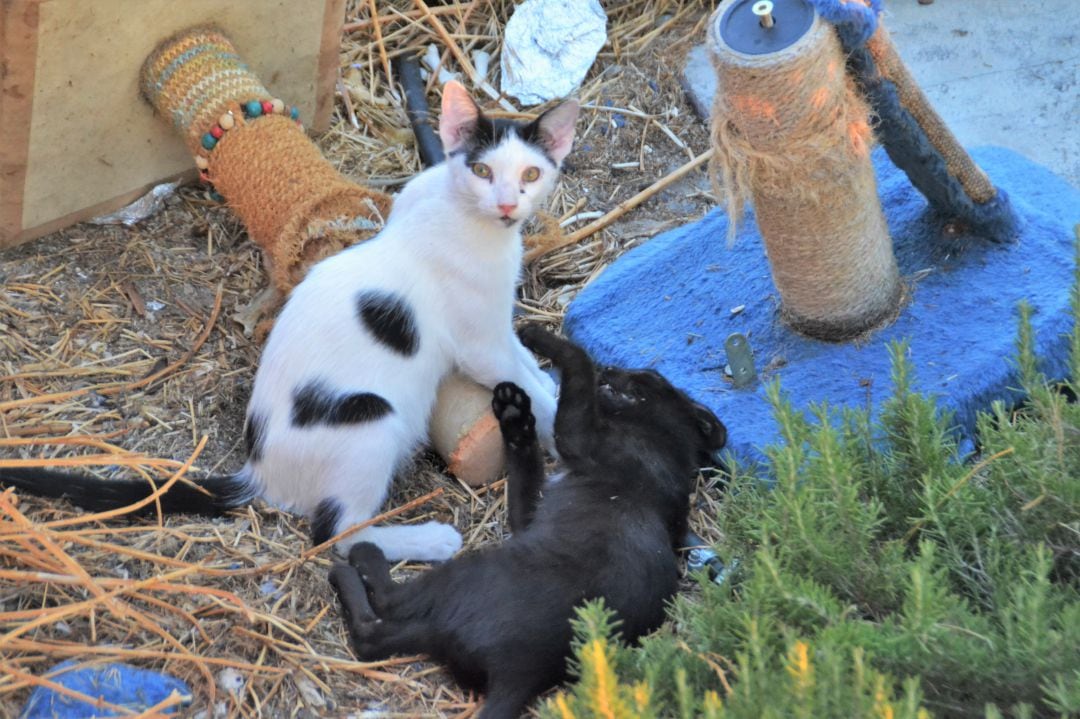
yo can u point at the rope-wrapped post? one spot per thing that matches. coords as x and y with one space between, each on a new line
791 134
250 145
295 205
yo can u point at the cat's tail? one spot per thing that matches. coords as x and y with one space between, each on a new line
208 496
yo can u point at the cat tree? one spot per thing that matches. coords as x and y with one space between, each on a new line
845 249
295 205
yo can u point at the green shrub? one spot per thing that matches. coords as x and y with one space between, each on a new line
879 575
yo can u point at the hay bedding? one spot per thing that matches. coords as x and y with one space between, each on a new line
119 353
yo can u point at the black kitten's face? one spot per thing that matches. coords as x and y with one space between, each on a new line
626 396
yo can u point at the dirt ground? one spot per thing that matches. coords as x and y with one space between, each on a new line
247 618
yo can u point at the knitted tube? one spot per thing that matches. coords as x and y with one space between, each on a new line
295 205
192 79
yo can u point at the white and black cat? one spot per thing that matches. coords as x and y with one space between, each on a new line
500 618
349 374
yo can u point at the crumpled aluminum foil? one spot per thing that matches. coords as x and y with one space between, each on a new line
548 46
140 209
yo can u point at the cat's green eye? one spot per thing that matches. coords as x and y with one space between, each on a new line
531 174
481 170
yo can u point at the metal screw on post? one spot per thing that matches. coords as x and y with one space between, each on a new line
763 10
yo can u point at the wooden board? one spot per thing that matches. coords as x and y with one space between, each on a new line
77 140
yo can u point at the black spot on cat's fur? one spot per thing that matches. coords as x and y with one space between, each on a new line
314 403
254 433
324 520
500 619
390 319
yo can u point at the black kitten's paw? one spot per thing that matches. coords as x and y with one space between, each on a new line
510 401
365 556
352 594
339 576
513 409
536 338
563 353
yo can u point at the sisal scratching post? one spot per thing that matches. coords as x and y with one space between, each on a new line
791 135
295 205
798 80
919 142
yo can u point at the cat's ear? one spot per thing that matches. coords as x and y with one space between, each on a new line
459 115
556 128
710 427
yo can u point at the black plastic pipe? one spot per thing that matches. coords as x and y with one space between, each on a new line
423 124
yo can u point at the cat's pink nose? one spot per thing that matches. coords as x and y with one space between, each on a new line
507 209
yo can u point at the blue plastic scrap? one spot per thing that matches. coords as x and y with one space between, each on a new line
121 685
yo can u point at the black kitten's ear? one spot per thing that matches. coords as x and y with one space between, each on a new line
710 427
459 116
557 129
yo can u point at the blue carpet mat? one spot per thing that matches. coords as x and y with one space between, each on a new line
667 305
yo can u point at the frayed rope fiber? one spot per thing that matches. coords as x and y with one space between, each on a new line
295 205
791 133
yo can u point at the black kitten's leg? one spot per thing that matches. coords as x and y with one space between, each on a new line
370 563
373 638
576 420
393 603
355 609
525 461
352 594
507 701
390 638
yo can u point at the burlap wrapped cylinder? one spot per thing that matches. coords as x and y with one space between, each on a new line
791 135
295 205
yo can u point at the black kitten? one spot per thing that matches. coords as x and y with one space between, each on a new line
500 618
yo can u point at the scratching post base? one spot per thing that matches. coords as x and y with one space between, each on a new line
960 321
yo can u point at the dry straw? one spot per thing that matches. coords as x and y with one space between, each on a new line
113 352
792 135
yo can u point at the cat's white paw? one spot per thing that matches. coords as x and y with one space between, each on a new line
427 542
441 541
